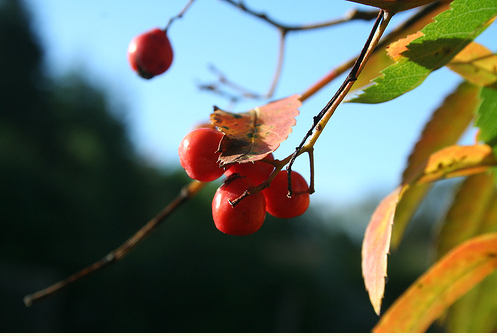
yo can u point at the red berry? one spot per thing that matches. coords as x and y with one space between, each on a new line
150 53
198 154
244 218
279 204
257 171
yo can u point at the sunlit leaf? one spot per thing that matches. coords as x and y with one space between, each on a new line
394 5
452 30
463 219
445 282
445 127
477 64
455 161
375 248
449 162
467 217
396 49
475 312
252 135
380 59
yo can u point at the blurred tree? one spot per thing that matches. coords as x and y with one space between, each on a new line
73 188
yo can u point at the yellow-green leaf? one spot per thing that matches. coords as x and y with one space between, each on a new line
473 205
445 282
455 161
463 219
477 64
446 126
380 59
451 31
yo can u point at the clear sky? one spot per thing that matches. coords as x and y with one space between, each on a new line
364 147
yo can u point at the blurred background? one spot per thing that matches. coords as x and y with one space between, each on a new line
88 154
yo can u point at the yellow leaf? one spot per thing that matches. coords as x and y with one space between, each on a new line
445 282
375 248
455 161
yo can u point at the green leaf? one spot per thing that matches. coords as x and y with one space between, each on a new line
486 117
441 41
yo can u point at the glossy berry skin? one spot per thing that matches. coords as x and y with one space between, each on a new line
198 154
257 171
279 204
244 218
150 53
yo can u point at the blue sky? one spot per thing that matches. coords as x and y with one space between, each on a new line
364 147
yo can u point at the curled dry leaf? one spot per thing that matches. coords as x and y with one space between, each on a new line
250 136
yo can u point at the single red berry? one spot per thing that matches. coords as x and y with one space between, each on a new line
243 219
257 171
279 204
198 154
150 53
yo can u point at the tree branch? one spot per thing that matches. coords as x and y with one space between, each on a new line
185 194
283 29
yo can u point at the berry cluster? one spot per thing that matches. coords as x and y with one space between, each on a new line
198 153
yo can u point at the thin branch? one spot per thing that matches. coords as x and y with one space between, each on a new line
279 65
350 16
389 38
185 194
180 15
283 29
320 121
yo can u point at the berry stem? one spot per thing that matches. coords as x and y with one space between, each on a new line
185 194
180 15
